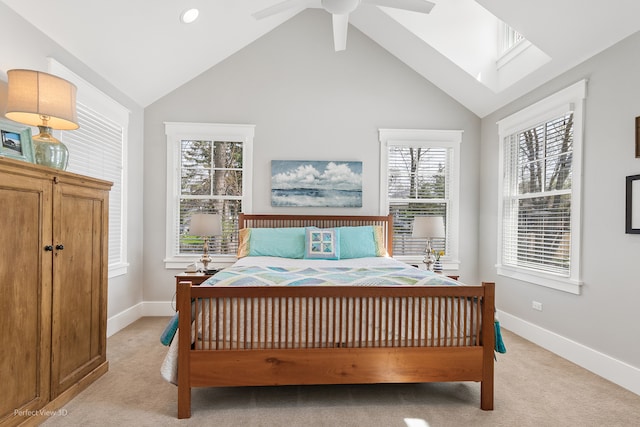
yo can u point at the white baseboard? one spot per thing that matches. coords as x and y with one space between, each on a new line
124 319
614 370
158 309
143 309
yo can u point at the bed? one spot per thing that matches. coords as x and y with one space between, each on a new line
360 320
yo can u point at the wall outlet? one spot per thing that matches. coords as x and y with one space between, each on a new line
536 305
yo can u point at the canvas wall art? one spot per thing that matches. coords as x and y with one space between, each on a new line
316 183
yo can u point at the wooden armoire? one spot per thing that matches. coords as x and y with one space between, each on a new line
53 288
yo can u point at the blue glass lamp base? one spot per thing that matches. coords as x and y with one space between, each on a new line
52 154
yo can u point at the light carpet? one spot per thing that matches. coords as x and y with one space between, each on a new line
533 387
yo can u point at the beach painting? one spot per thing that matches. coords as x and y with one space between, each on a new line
316 183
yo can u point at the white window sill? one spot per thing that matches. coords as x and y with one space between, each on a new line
560 283
513 52
118 269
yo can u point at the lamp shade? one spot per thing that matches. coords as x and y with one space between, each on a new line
431 227
205 225
36 98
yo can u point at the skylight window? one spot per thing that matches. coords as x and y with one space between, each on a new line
507 38
471 37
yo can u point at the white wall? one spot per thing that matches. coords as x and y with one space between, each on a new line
24 46
307 102
604 317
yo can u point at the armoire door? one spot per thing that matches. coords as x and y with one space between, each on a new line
79 283
25 294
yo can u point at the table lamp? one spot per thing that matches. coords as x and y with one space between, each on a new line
48 102
429 227
205 225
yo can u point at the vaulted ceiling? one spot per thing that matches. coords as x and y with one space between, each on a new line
454 46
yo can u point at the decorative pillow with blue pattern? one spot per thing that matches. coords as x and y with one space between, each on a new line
322 243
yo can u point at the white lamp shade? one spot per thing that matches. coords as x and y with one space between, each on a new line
430 227
205 225
34 94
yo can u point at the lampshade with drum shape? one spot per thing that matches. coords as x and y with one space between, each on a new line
429 227
205 225
48 102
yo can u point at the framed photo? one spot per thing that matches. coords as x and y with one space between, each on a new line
313 183
638 137
633 204
15 142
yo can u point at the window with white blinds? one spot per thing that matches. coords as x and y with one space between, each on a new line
507 37
420 172
98 149
208 168
539 194
537 205
418 185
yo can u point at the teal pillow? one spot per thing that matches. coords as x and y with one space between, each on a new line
357 242
279 242
322 243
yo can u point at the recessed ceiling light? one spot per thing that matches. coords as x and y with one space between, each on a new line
189 15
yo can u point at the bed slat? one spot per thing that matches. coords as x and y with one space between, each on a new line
293 321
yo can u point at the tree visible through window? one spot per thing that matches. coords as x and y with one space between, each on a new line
420 177
417 186
208 167
540 188
211 182
538 203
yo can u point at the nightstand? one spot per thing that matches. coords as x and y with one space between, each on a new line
194 278
450 276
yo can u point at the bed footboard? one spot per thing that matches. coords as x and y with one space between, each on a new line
334 335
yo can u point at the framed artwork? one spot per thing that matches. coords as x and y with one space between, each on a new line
638 137
15 142
315 183
633 205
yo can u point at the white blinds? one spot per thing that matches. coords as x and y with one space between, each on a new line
537 197
418 185
95 149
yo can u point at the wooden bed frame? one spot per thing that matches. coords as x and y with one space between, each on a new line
283 360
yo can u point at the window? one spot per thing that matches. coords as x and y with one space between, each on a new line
208 172
507 38
420 170
541 150
97 149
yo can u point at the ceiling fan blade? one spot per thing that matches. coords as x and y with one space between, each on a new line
340 25
279 7
422 6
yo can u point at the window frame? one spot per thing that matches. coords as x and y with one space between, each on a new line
176 132
426 138
511 44
94 101
569 99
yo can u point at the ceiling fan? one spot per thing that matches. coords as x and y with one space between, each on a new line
340 10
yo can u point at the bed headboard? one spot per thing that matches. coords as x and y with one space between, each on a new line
322 221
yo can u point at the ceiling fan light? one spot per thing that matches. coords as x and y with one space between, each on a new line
340 7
